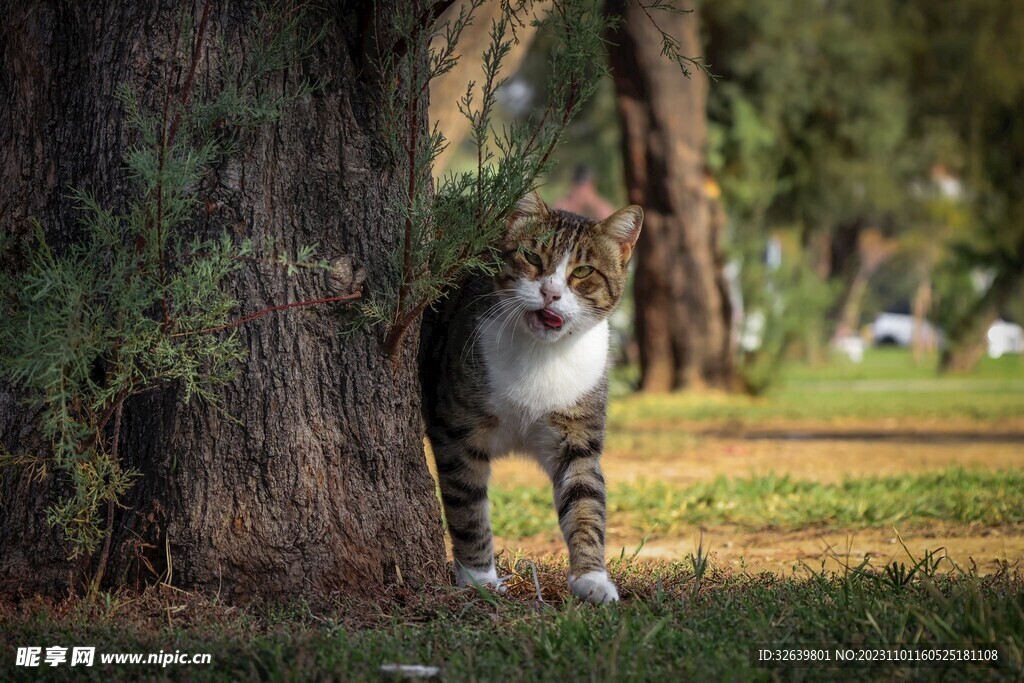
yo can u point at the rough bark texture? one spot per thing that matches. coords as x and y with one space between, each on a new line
321 484
683 314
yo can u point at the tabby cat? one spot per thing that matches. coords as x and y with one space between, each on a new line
518 362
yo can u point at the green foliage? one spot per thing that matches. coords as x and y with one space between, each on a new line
128 305
840 113
969 85
808 130
811 125
452 228
784 306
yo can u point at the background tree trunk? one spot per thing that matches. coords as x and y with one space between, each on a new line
968 337
921 342
448 89
683 314
319 483
870 250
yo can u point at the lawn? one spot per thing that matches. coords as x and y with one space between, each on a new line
654 507
870 450
886 386
685 620
920 474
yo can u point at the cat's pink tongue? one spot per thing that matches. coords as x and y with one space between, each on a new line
550 318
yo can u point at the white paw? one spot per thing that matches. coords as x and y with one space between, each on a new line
593 587
488 577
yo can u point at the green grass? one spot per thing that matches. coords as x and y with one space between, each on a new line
771 502
894 363
674 624
826 403
886 385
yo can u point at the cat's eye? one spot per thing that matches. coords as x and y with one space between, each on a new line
532 258
581 272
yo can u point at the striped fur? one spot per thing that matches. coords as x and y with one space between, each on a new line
498 379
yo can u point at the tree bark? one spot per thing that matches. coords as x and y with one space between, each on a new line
317 482
683 314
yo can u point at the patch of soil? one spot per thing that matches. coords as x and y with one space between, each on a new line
685 454
788 552
685 462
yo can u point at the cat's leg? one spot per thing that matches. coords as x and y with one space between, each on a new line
463 473
580 501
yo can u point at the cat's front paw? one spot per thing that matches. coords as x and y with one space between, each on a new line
593 587
467 576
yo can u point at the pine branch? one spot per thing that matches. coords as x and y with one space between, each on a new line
161 160
426 19
670 45
89 309
101 566
186 93
167 142
267 311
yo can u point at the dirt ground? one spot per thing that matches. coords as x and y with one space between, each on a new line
684 454
794 552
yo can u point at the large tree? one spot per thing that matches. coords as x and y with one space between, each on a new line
312 480
683 312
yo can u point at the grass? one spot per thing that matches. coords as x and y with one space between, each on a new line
886 385
897 364
771 502
675 623
974 401
684 620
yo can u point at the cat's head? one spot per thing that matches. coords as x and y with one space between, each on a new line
563 273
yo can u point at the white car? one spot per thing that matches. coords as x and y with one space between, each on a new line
1004 337
897 329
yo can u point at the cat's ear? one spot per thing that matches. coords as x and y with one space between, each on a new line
623 226
529 207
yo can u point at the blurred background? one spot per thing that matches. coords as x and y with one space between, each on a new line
822 345
861 163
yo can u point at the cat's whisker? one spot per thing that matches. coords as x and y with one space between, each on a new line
495 293
495 312
490 317
509 315
501 332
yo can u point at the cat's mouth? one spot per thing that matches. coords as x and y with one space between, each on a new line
545 318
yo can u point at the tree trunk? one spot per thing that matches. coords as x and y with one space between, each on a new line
968 339
872 249
317 482
683 314
921 342
448 89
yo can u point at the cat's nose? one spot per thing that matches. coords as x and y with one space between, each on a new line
550 292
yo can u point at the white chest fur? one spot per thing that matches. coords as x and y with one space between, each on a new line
529 378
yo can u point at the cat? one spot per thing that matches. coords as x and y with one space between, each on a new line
518 362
